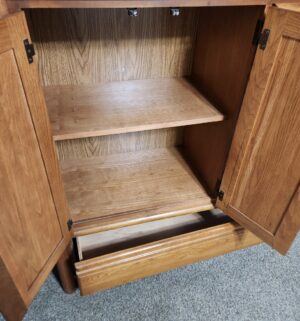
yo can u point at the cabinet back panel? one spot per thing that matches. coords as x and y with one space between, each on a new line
87 46
84 46
115 144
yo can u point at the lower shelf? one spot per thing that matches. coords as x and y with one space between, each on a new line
130 188
186 242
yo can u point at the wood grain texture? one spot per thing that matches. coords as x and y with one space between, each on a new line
135 3
126 106
289 6
263 170
34 225
5 41
290 225
78 47
12 306
128 265
65 268
116 144
30 220
3 9
93 245
29 74
222 62
276 135
130 188
154 45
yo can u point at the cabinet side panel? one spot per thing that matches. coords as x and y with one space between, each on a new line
222 62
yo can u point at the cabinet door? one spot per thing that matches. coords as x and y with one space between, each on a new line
261 179
33 224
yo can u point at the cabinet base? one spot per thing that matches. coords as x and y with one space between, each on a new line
65 268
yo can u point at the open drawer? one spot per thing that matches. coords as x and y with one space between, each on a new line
119 256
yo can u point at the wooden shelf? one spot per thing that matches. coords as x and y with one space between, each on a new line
125 189
125 106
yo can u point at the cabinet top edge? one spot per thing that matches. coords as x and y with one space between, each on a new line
22 4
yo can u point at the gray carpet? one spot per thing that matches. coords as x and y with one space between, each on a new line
255 284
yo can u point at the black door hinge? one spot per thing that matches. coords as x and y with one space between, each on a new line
261 36
263 39
70 224
220 195
219 192
29 50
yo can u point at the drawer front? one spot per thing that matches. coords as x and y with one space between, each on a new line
124 266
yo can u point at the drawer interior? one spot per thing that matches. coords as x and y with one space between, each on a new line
119 256
106 242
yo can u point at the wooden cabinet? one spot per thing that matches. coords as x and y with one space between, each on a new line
133 132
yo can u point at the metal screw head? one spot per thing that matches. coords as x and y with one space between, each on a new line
175 12
132 12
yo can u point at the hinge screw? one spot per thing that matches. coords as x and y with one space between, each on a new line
132 12
175 12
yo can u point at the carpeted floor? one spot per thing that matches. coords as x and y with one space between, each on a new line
255 284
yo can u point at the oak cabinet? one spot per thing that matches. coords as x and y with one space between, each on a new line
130 134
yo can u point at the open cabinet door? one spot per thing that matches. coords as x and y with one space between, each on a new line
260 186
34 213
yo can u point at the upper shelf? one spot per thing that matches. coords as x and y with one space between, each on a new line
13 4
125 106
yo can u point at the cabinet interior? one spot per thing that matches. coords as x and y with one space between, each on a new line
143 109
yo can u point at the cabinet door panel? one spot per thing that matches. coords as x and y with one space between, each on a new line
263 170
33 229
29 226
